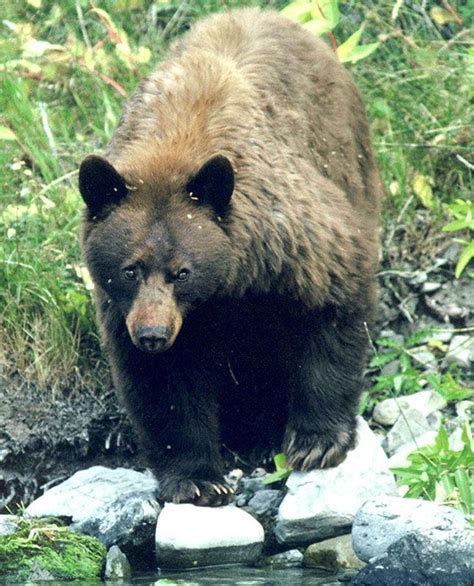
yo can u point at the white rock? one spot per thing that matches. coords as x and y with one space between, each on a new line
384 520
388 411
322 503
114 505
188 536
460 351
407 428
424 358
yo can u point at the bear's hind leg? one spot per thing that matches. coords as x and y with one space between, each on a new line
325 384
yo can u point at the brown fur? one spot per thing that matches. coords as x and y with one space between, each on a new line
277 318
259 90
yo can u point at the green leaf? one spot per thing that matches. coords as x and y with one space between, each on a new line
361 52
318 27
464 486
464 259
327 10
277 476
382 359
344 51
299 11
442 439
423 190
388 343
456 225
6 133
466 436
280 461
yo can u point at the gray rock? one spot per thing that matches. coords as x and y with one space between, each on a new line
388 411
332 555
322 503
444 334
424 358
188 536
265 502
400 458
384 520
292 558
427 558
391 368
8 524
407 428
460 351
118 506
117 566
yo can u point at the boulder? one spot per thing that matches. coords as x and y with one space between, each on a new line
430 557
384 520
118 506
188 536
322 503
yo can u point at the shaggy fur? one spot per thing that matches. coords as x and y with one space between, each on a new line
265 344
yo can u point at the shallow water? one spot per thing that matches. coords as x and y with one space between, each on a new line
242 576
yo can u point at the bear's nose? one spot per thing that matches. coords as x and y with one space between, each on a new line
152 339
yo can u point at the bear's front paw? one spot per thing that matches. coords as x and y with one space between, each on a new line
205 493
307 451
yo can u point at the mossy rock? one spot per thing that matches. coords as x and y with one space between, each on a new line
48 549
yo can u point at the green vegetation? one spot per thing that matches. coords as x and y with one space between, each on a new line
411 375
440 473
44 544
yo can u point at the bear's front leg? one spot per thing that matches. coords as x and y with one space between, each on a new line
325 384
175 413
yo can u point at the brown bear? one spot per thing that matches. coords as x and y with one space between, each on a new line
231 230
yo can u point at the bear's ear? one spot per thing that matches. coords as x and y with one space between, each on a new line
100 184
213 184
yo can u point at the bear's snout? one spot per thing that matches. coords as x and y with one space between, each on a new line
153 339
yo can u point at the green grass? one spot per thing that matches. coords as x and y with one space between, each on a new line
65 103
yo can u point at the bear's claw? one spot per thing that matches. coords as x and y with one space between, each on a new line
197 492
308 451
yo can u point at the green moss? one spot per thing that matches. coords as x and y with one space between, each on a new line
50 546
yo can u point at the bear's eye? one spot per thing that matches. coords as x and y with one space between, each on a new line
182 275
130 273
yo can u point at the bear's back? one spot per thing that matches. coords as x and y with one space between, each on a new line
263 92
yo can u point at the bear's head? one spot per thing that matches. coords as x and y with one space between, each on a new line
156 246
